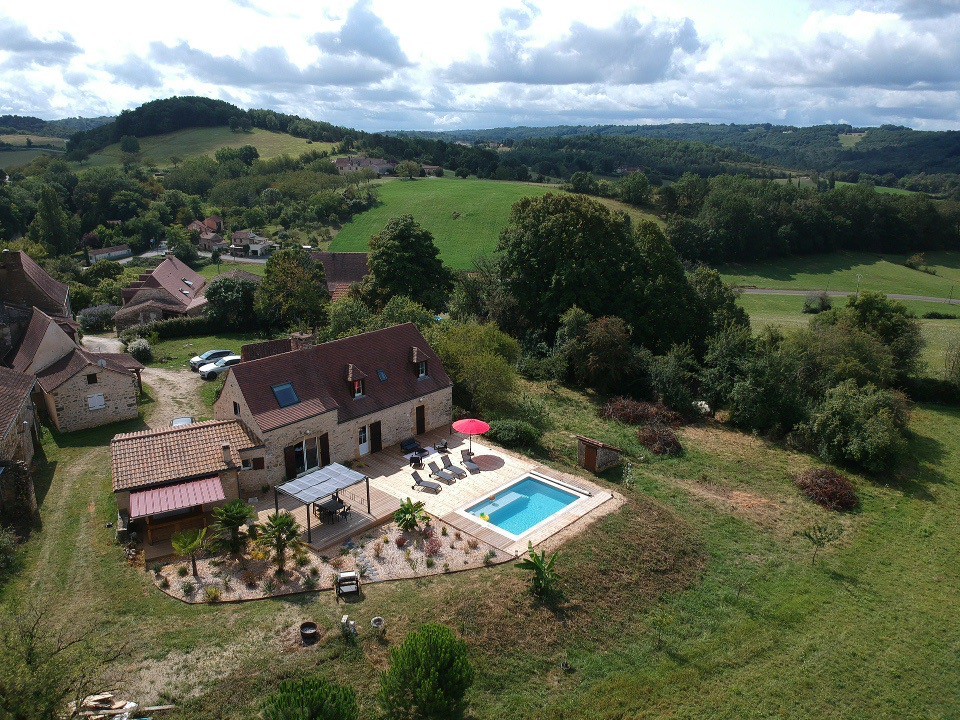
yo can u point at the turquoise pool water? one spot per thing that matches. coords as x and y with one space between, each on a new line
523 505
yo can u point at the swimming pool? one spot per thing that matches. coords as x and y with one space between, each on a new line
520 507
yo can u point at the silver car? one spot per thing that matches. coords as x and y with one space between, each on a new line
210 356
212 371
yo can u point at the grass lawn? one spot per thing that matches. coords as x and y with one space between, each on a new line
35 139
849 140
465 216
212 271
206 141
695 600
786 312
839 271
882 189
175 354
15 158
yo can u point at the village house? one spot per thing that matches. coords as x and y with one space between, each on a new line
357 163
116 252
19 429
342 270
172 289
78 389
211 241
246 243
168 480
335 402
25 285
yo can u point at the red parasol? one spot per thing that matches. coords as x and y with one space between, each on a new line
471 427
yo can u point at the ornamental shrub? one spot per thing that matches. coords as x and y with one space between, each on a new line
514 433
141 350
311 699
827 487
428 678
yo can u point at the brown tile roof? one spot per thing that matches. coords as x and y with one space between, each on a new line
15 388
109 250
343 267
179 281
319 377
124 360
26 283
255 351
36 331
154 457
77 361
338 290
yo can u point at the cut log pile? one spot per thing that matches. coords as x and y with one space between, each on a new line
104 706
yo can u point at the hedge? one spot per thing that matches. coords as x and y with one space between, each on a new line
172 328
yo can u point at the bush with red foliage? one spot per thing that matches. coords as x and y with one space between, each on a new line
828 488
400 541
432 547
635 412
660 440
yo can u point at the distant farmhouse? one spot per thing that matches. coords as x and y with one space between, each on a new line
343 270
117 252
357 163
171 290
246 243
77 389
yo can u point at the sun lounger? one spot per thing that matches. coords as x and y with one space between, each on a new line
436 472
468 463
451 468
429 485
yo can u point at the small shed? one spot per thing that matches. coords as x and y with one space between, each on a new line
596 456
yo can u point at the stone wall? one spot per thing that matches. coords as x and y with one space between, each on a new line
18 443
69 409
396 423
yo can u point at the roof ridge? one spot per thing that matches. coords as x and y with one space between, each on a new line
168 430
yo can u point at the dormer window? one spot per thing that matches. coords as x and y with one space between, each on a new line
358 388
422 369
382 374
185 292
188 282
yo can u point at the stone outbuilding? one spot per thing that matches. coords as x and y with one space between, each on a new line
19 429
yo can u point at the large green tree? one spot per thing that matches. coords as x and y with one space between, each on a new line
52 226
563 250
405 261
230 302
293 291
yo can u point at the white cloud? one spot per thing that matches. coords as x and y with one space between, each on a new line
380 64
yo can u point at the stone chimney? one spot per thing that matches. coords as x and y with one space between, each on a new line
227 459
299 340
170 254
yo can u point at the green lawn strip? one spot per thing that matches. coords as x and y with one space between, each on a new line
206 141
211 271
464 215
747 628
785 311
839 271
881 189
175 354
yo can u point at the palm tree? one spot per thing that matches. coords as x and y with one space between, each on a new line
188 543
281 532
229 521
544 576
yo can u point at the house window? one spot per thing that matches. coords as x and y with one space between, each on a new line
258 464
92 379
362 436
422 368
236 409
305 455
96 402
358 388
247 464
285 395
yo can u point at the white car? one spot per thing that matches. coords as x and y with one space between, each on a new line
211 371
207 358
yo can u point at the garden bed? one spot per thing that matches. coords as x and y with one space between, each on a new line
379 554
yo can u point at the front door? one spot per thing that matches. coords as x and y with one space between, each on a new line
324 450
421 420
590 457
376 442
363 440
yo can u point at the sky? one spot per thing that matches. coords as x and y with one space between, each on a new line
449 64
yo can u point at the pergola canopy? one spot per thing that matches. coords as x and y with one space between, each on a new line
321 483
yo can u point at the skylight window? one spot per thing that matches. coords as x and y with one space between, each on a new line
285 395
382 374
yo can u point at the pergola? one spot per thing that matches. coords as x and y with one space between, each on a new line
318 484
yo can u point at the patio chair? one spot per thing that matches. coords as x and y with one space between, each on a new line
347 583
441 445
410 446
451 468
435 471
429 485
468 463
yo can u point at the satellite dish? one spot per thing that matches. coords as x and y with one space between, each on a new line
102 363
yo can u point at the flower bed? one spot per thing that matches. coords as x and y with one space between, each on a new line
384 553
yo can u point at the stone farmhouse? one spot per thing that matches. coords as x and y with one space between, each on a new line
78 389
24 285
246 243
172 289
19 426
343 270
336 402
